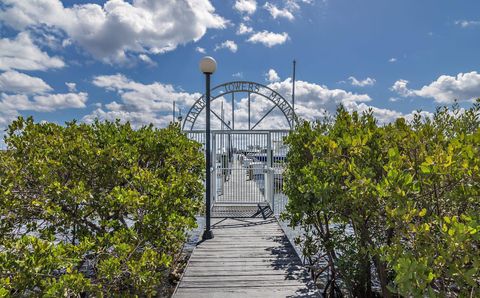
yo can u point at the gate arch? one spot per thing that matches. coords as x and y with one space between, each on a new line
241 87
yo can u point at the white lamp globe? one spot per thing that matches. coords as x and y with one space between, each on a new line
208 65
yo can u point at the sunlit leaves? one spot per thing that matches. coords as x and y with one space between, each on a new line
405 196
98 208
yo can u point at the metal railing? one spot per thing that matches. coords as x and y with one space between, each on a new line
247 167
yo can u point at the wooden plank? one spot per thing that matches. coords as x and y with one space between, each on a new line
241 283
247 258
243 277
250 292
240 272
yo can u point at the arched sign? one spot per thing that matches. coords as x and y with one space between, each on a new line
241 87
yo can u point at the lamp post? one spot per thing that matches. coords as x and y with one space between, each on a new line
208 65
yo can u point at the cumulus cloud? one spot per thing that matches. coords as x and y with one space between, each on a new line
21 92
137 97
392 60
314 101
111 31
445 89
276 12
43 102
401 88
200 50
362 83
22 54
141 104
52 102
137 119
244 29
238 75
246 6
467 23
268 39
146 59
72 87
16 82
272 76
227 44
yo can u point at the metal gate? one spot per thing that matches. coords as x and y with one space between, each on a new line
240 163
247 168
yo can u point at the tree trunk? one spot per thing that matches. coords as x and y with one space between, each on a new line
364 284
383 276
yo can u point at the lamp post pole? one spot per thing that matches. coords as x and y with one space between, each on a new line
208 66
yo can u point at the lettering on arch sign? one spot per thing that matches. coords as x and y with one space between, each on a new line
241 87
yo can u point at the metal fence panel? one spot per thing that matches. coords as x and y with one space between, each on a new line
248 167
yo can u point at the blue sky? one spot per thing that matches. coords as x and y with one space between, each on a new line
63 60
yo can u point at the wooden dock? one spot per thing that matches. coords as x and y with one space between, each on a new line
246 258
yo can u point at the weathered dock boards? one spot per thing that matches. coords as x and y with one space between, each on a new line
247 258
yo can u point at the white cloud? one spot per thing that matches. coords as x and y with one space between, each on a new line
238 75
155 97
246 6
313 101
72 87
272 76
66 42
21 92
382 115
445 89
145 58
269 39
362 83
141 104
52 102
16 82
227 44
6 117
392 60
111 31
466 23
314 97
200 50
22 54
275 12
401 88
42 103
463 87
244 29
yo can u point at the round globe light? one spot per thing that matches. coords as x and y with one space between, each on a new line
208 65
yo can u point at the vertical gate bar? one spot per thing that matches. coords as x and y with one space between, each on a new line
269 150
271 173
214 173
233 111
248 110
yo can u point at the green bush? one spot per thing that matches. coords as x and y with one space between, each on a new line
97 209
398 204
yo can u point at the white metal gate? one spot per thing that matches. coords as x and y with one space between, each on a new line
240 163
247 167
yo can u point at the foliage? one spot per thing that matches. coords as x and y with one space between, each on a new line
396 206
100 209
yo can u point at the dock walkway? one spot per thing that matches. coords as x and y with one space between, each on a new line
248 257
